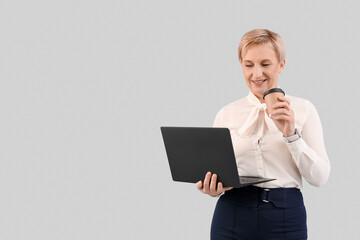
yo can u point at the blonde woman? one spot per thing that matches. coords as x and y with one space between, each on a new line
286 144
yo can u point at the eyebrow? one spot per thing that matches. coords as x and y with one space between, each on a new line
261 60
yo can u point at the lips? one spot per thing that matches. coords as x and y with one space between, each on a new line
258 82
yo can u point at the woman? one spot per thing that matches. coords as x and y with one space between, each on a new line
286 144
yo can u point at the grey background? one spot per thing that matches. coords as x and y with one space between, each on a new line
86 85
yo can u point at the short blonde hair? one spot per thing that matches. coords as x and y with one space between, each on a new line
262 36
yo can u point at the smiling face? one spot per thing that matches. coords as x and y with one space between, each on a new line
261 67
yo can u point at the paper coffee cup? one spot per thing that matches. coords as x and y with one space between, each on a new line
271 97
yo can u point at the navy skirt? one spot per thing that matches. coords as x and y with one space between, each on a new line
253 213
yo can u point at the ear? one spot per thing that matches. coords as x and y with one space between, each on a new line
282 65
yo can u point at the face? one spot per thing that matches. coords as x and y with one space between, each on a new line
261 68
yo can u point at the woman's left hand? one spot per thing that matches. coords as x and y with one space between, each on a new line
283 116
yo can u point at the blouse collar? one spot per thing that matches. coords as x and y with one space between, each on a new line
253 100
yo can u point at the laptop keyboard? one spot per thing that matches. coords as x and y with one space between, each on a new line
248 180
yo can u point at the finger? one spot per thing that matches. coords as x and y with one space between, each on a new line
207 182
281 105
213 183
284 99
199 185
228 188
220 188
280 111
283 117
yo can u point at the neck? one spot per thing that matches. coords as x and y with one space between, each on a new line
261 100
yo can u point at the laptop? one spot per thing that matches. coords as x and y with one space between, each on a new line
194 151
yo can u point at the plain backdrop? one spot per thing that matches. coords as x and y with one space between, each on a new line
86 85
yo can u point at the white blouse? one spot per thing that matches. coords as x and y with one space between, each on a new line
260 149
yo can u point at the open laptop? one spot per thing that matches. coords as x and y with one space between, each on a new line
193 151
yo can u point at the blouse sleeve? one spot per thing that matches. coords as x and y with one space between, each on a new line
218 122
309 152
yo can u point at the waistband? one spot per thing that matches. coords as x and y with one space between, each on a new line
252 196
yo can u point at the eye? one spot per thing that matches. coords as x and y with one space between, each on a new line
249 65
265 65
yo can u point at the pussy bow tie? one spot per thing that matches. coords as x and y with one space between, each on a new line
257 122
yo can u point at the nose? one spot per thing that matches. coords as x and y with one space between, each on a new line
257 73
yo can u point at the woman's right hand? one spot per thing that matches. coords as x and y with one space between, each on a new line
209 187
